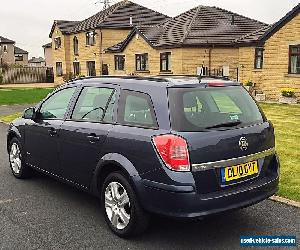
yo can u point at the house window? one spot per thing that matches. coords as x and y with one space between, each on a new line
294 59
91 69
59 70
57 42
76 68
4 48
119 62
18 58
75 46
259 58
141 62
165 61
90 38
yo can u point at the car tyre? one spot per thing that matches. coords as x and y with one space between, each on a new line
121 208
19 169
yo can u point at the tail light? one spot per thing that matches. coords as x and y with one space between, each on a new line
173 151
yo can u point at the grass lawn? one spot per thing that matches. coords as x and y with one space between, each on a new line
22 96
286 120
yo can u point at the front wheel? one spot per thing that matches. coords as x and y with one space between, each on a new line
19 169
122 210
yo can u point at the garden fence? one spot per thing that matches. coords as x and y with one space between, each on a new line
24 75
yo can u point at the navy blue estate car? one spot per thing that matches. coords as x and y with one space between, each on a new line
176 146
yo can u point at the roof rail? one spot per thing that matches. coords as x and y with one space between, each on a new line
148 78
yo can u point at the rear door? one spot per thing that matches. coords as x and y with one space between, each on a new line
85 132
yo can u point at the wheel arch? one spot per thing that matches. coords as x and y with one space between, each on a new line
110 163
12 133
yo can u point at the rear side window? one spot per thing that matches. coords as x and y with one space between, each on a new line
136 109
95 105
198 109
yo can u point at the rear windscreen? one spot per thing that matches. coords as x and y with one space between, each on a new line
199 109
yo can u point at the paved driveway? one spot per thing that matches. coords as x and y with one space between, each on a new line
41 213
11 109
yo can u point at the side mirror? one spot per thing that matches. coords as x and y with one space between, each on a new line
29 113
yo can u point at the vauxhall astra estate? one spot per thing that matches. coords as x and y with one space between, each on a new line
179 147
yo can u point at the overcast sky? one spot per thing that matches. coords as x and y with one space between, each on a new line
29 22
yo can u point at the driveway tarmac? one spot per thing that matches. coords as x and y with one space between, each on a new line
11 109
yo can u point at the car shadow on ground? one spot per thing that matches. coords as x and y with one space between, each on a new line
222 229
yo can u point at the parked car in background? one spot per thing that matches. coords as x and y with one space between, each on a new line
177 147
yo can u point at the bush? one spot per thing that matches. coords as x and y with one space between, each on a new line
288 92
249 83
68 77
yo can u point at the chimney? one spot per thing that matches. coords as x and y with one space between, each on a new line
232 19
130 21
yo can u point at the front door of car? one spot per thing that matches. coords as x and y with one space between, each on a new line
85 132
43 133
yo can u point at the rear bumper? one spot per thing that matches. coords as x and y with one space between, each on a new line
184 202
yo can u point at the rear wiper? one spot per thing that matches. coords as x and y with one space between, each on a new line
226 124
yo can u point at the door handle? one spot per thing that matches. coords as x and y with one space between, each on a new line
52 132
93 138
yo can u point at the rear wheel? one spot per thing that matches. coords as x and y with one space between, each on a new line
19 169
121 209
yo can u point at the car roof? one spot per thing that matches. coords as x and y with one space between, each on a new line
137 82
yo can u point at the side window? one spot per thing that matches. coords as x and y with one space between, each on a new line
56 106
95 105
136 109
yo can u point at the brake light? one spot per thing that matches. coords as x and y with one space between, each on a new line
173 151
216 84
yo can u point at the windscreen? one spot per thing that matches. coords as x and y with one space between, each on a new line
201 109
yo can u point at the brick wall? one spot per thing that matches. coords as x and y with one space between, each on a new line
183 60
104 39
59 55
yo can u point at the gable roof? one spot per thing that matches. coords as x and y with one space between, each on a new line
253 37
20 51
64 26
261 35
200 26
116 16
283 21
5 40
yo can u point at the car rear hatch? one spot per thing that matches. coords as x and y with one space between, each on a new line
229 140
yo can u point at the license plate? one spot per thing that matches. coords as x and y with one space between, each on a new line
239 171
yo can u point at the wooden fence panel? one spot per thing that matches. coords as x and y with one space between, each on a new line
24 75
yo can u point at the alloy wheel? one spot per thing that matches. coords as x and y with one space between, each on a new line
117 205
15 158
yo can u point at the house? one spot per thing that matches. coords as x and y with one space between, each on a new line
130 39
7 55
37 62
21 56
271 57
201 39
48 54
10 54
79 47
